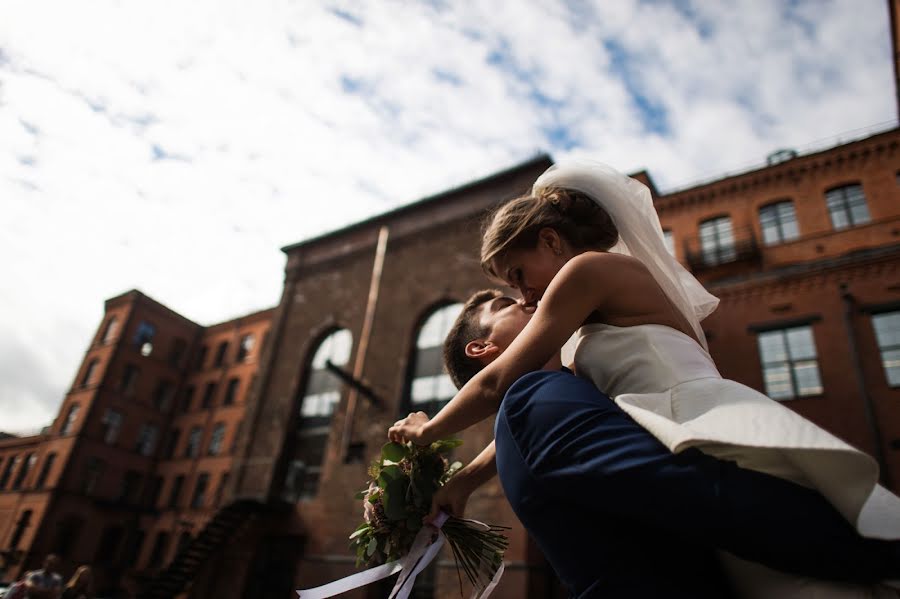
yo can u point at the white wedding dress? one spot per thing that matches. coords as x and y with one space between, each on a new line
669 384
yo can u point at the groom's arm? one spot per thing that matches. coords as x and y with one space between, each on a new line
453 496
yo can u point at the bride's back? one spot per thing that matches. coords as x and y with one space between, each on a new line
636 297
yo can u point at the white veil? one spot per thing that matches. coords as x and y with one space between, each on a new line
630 205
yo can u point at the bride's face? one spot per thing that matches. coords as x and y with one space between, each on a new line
531 270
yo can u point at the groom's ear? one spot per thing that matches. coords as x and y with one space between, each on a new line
481 349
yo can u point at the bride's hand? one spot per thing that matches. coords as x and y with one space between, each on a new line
411 428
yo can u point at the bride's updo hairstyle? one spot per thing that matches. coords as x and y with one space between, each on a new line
573 215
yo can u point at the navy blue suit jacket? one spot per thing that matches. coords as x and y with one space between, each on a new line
618 515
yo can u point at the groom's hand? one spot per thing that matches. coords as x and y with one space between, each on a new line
411 428
451 498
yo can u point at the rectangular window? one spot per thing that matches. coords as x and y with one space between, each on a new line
231 391
146 441
93 473
199 497
220 491
128 384
162 395
176 352
154 489
171 443
245 346
128 491
887 333
175 494
200 361
234 436
717 241
133 549
88 377
220 354
187 399
11 463
45 471
112 424
847 206
790 366
112 327
160 548
215 442
30 461
208 394
193 444
71 416
778 222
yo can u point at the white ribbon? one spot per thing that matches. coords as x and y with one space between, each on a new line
422 552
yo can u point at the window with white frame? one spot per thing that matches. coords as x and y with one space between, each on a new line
887 333
431 386
717 241
778 222
847 206
789 361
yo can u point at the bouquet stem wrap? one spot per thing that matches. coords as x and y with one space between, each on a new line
425 547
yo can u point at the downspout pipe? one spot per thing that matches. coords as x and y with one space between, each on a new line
850 309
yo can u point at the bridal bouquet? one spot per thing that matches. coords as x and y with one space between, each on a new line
403 480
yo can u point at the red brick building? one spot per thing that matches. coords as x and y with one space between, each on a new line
222 461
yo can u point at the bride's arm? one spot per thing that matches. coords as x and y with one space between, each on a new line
580 288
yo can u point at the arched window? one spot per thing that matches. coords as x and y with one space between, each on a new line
430 386
323 388
318 400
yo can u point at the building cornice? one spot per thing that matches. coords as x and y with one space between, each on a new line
790 171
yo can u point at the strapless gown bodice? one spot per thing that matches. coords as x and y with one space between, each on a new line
648 358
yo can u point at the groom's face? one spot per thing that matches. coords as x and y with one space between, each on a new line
505 318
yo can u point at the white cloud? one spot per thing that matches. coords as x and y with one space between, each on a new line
174 147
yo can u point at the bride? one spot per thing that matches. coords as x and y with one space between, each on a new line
588 245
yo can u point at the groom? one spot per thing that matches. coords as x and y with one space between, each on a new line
614 511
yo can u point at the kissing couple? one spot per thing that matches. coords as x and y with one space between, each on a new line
639 470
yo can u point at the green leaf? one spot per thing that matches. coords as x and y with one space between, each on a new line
363 529
389 473
361 494
373 545
395 499
394 452
445 445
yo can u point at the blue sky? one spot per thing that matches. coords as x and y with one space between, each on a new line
175 147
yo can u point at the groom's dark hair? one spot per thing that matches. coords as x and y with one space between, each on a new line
467 328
